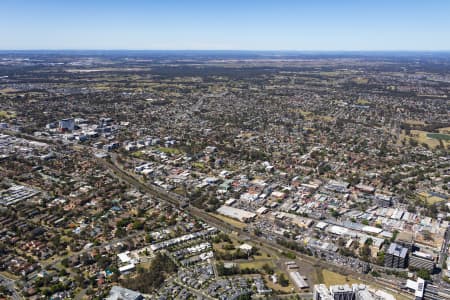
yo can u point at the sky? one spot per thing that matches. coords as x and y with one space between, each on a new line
302 25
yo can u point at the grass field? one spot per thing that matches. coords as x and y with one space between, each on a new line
362 101
326 118
430 199
7 114
332 278
168 150
445 130
414 122
199 165
305 114
360 80
422 138
7 90
256 264
9 275
137 154
439 136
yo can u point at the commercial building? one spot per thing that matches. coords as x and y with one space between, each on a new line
396 256
15 194
127 268
365 188
298 280
236 213
66 125
421 260
418 287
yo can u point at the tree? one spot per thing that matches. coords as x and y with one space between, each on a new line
334 213
147 280
283 280
424 274
364 252
268 269
427 235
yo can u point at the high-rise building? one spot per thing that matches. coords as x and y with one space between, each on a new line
362 293
345 292
321 292
396 256
342 292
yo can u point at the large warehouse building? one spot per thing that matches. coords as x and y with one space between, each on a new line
236 213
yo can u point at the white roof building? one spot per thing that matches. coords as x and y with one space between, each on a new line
120 293
236 213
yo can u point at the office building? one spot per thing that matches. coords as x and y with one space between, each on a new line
342 292
321 292
396 256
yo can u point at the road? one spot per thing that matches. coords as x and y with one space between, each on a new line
445 245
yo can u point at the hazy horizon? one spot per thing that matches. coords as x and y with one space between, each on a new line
313 26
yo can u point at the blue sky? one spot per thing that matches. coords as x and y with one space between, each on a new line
231 24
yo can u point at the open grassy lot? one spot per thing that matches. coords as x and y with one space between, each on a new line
168 150
9 275
415 122
333 278
326 118
7 114
439 136
256 264
422 137
7 90
199 165
362 101
430 199
137 154
360 80
445 130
